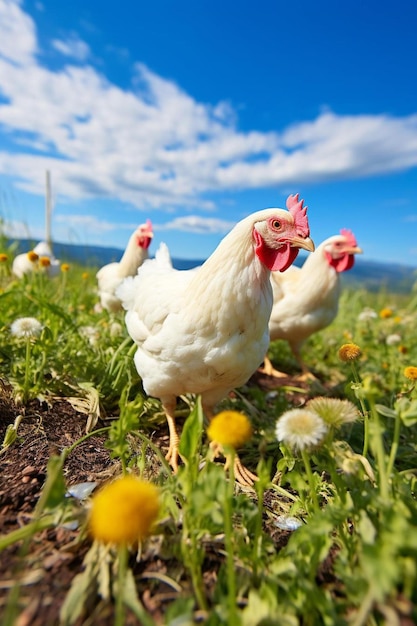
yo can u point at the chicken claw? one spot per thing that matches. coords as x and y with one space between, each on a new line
269 370
243 476
173 453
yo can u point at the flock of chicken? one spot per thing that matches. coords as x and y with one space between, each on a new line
207 330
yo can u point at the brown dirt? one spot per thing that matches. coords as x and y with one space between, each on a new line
54 556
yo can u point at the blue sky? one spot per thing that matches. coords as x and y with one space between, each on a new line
196 113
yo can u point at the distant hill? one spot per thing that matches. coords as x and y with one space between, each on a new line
370 275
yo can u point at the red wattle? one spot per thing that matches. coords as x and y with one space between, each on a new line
343 264
143 242
276 260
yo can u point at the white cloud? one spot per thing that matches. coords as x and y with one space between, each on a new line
72 47
154 146
20 230
90 223
17 34
197 225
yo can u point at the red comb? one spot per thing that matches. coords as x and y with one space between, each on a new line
299 213
351 239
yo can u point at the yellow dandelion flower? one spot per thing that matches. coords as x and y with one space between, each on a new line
385 313
402 349
32 256
85 275
349 352
124 510
230 428
411 372
65 267
3 257
44 261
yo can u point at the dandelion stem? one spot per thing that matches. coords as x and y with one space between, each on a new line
228 539
310 478
378 446
365 413
119 619
394 445
27 371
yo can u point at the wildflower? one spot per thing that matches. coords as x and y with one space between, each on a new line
334 412
124 510
3 257
230 428
32 256
26 327
349 352
393 339
44 261
385 313
65 267
300 429
90 333
367 315
411 372
116 329
85 275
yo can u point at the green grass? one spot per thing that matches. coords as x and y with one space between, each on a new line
354 558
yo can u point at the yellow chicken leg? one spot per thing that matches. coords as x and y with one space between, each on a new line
173 453
270 370
242 475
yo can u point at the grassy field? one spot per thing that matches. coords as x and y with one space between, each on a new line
327 535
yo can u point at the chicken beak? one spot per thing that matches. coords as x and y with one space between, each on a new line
356 250
303 242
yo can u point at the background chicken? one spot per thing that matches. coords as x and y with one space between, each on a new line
110 276
205 331
306 299
23 265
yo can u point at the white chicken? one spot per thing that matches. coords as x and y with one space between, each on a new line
306 299
205 331
111 275
23 264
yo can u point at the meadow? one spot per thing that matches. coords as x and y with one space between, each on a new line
327 534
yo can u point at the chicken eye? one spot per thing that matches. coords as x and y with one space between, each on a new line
276 224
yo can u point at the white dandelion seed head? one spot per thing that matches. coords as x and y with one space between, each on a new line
333 411
26 327
301 429
116 329
393 339
367 314
90 333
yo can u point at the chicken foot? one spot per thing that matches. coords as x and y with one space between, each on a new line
270 370
242 474
172 456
